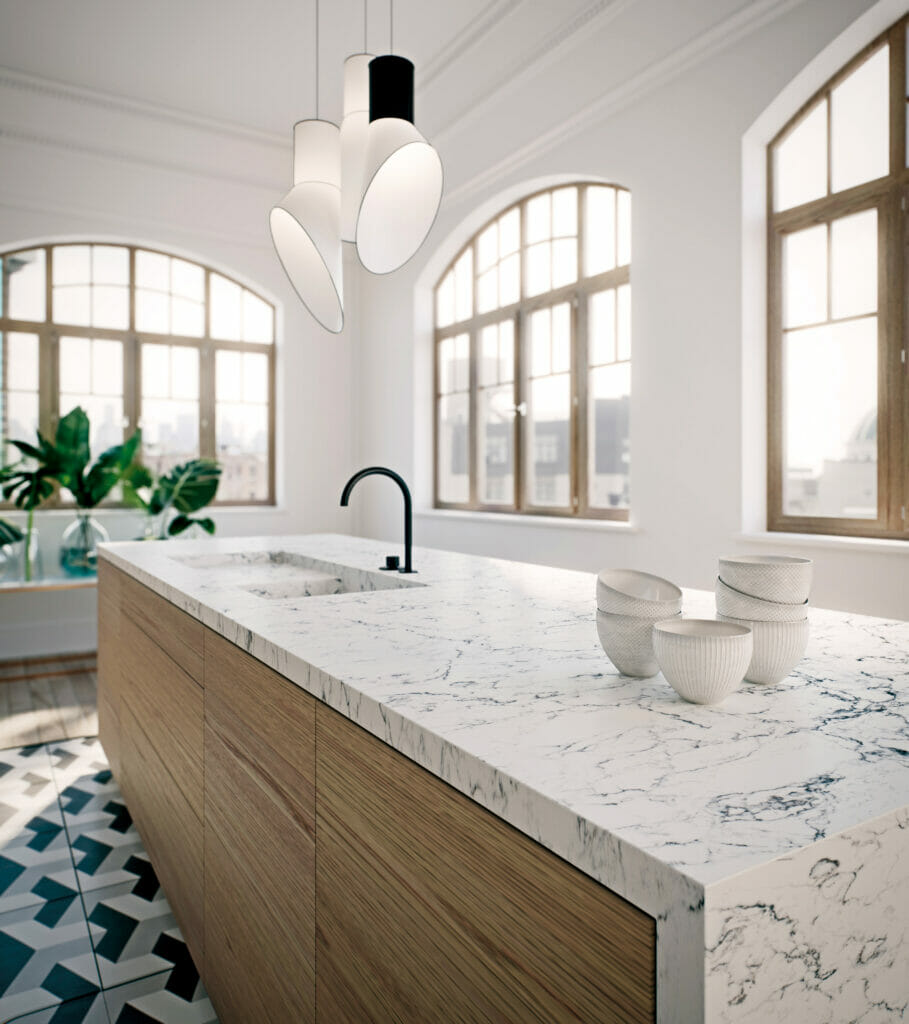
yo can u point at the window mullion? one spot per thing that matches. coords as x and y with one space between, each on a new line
473 455
520 401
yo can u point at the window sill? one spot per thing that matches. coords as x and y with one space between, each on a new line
870 545
508 519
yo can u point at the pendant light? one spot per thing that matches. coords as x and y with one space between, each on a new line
403 173
354 134
306 224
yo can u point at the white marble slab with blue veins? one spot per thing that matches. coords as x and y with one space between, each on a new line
768 836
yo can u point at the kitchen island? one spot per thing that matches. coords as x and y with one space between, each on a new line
760 848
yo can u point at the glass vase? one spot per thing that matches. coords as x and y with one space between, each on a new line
19 565
79 546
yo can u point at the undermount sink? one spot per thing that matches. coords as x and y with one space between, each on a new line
285 575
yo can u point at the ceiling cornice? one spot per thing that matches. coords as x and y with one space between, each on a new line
680 60
546 51
461 42
21 81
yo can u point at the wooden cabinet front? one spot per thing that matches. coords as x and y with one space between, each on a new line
432 909
260 899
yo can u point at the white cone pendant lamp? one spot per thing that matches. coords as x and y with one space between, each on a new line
354 133
306 224
403 173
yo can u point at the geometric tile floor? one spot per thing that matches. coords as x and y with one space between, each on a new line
86 933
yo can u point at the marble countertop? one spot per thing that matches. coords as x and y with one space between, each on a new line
490 674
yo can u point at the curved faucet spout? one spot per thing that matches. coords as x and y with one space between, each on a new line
408 505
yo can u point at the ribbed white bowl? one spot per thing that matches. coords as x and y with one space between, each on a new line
744 606
778 648
629 592
628 643
703 660
769 577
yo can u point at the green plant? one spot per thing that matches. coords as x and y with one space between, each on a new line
185 490
27 487
9 533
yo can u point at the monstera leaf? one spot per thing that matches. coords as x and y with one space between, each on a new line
9 533
69 460
187 487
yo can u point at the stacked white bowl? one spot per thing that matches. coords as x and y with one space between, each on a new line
628 604
769 593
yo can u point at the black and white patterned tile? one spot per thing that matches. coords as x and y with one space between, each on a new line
86 933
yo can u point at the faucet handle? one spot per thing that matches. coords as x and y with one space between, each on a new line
392 563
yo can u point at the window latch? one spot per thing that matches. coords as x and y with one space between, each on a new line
520 410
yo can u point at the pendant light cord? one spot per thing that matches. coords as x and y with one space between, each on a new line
391 26
317 60
365 23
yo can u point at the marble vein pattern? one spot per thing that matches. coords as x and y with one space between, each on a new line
489 674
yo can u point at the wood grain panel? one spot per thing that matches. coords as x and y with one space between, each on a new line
169 827
175 632
109 659
259 841
430 908
169 704
109 734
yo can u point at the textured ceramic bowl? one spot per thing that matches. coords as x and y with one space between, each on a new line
743 606
629 592
778 648
769 577
628 643
702 660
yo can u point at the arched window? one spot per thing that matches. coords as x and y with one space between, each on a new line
139 337
838 412
533 359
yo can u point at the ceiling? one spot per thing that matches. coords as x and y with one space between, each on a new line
252 64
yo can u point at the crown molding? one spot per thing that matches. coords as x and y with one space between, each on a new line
22 81
682 59
152 227
545 52
466 39
12 134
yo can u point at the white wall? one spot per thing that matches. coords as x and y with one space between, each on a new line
677 143
82 166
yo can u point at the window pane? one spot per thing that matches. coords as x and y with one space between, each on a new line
18 391
452 454
509 232
255 377
241 424
107 367
859 123
805 277
464 286
26 276
608 436
258 319
110 306
599 230
565 212
510 280
488 369
601 327
623 228
495 466
853 254
548 456
800 162
228 379
506 351
152 270
830 428
187 280
152 312
445 301
539 260
564 261
487 291
91 375
561 338
110 264
539 223
488 247
72 264
105 414
75 365
170 408
623 322
540 342
187 317
225 308
72 305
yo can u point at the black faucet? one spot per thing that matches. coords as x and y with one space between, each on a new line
391 562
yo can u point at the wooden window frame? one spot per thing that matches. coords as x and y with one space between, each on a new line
577 293
889 195
49 333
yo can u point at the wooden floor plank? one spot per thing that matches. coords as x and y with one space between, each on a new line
21 727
